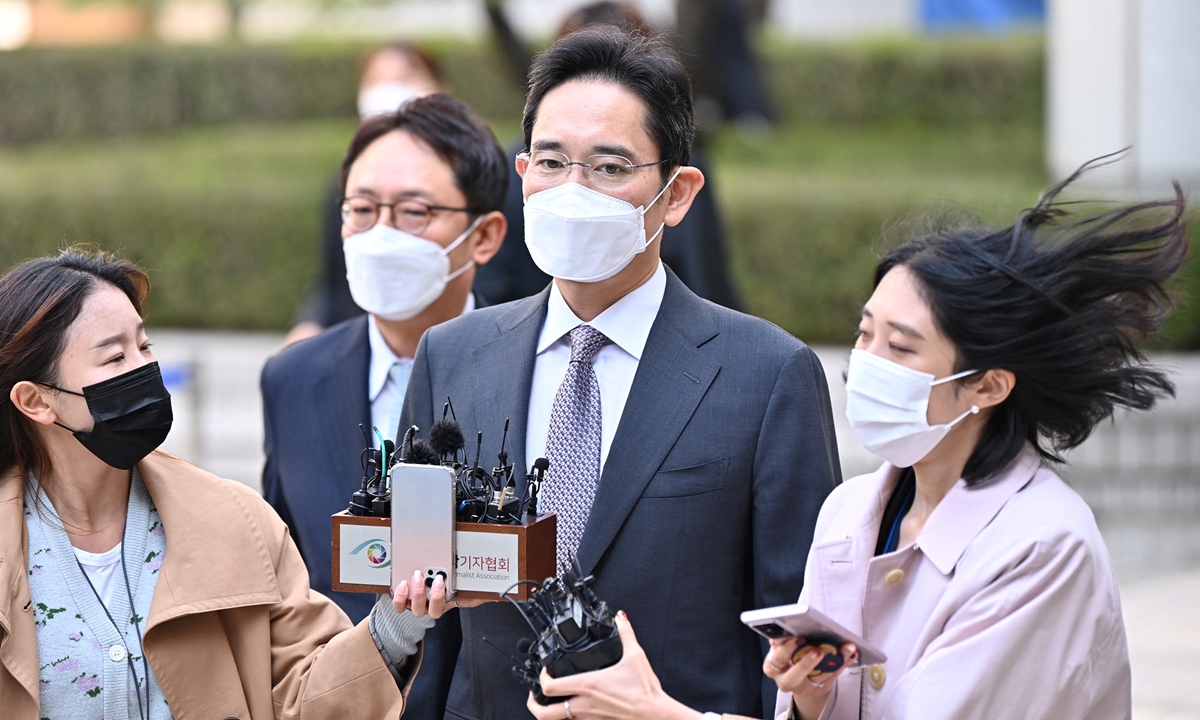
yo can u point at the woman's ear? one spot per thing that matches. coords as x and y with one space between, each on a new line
993 388
33 402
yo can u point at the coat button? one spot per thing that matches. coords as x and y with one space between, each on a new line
116 653
895 577
878 676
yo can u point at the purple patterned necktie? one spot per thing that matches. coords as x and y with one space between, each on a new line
573 444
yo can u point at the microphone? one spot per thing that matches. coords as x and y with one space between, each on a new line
533 491
446 439
575 631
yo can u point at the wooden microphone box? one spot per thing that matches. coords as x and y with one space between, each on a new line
488 558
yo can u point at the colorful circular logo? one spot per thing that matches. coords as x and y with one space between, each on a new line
377 554
376 550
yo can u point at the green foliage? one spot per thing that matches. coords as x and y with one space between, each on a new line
876 137
98 92
943 83
102 92
809 210
225 221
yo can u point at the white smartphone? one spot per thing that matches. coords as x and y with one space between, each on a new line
800 620
423 498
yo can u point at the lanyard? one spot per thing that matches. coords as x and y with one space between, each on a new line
143 712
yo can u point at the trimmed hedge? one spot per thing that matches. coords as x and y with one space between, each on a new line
53 93
942 82
97 92
227 220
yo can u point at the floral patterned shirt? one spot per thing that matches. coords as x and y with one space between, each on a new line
90 656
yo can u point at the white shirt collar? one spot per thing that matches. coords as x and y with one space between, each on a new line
382 357
626 323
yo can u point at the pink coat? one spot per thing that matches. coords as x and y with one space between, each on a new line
1005 606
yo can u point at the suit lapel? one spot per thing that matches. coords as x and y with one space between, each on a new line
504 380
341 391
672 378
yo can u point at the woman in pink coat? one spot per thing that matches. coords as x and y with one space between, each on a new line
981 356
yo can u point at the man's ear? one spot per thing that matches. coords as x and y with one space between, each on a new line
489 236
682 192
31 399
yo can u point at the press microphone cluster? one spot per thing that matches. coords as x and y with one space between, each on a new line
427 505
574 631
482 496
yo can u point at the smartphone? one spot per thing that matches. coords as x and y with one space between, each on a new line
423 498
800 620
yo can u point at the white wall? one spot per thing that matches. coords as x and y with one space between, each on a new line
1125 73
842 18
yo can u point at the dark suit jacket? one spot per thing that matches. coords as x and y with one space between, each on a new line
314 396
706 505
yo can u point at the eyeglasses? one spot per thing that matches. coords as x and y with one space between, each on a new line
361 213
610 172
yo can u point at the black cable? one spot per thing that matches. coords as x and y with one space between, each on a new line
136 626
128 656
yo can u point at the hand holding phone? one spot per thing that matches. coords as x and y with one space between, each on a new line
801 621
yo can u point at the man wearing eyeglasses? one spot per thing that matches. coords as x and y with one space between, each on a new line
690 446
423 188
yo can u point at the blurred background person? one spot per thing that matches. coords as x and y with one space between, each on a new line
389 76
423 188
695 249
138 585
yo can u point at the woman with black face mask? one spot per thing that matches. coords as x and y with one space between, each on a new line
133 585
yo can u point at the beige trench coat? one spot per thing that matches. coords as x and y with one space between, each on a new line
1006 605
233 629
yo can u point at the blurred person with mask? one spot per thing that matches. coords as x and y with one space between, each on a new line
389 76
695 249
133 584
422 191
690 446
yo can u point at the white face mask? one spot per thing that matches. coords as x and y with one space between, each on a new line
385 98
394 275
887 405
576 233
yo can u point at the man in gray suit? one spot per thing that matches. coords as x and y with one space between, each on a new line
690 446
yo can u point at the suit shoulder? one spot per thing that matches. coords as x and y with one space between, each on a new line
303 357
481 324
764 338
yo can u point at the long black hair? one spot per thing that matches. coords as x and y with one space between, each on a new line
1061 299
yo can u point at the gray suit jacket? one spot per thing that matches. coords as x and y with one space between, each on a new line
706 504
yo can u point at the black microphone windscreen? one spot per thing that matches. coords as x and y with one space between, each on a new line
541 464
421 453
523 645
389 447
446 437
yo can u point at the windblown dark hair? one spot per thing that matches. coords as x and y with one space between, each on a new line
1061 299
646 65
39 300
456 134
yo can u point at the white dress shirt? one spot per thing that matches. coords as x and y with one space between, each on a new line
627 324
386 396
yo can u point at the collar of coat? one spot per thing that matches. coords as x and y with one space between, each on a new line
957 519
217 554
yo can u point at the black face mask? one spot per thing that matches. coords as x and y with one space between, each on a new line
132 413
